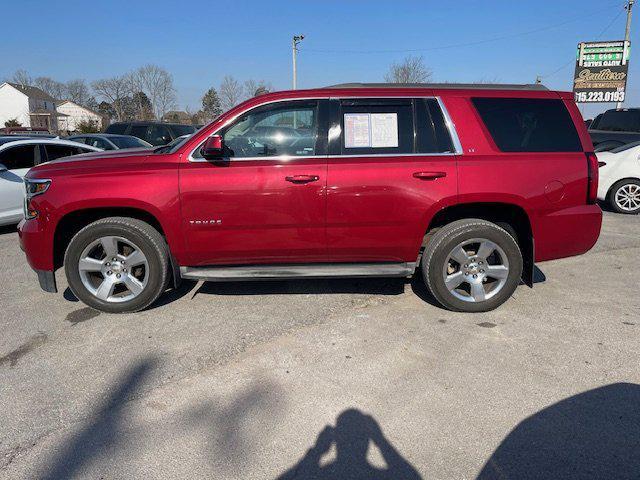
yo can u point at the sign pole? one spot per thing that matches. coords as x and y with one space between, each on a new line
627 33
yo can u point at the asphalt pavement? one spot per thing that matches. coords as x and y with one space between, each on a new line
327 379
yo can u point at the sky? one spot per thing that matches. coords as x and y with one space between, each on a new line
201 41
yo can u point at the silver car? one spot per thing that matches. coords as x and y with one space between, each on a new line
17 156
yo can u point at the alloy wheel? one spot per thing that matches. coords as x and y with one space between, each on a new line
113 269
476 270
627 197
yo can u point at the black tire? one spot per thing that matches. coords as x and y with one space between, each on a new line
436 257
144 236
611 196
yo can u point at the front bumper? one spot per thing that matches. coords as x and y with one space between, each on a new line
37 244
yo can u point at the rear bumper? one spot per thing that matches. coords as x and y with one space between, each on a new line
567 232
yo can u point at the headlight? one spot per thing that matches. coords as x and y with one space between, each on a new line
33 187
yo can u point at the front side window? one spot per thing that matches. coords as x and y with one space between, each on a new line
375 126
280 129
23 156
529 124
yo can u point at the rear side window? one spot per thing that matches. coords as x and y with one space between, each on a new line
529 124
139 131
59 151
618 121
432 134
118 128
23 156
375 126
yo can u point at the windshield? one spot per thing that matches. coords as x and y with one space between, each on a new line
183 129
129 142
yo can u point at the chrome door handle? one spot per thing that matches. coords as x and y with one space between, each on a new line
302 178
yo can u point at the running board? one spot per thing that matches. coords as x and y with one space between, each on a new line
281 272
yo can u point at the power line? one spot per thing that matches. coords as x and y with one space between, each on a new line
459 45
570 62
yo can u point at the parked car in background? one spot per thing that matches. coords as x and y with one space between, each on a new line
17 156
356 180
109 141
614 128
155 133
25 131
620 178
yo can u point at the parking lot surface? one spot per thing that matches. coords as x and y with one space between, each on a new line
327 379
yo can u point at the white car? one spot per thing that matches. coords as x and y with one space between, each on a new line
619 183
17 156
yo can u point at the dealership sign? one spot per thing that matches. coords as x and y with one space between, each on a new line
601 71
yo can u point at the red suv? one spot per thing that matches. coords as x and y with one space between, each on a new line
469 184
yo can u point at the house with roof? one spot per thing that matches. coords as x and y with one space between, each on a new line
30 106
177 116
76 114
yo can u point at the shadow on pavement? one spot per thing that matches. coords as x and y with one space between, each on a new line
372 286
233 426
101 436
173 294
595 434
351 438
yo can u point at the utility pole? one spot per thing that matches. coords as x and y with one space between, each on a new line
627 33
294 47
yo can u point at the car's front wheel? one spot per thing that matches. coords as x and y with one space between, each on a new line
117 265
472 265
624 196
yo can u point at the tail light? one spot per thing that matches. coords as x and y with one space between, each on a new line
592 177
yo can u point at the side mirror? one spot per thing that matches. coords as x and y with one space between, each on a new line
213 148
3 168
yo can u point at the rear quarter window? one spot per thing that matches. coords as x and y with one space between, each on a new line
529 124
118 128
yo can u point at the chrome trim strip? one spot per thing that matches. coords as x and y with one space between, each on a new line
451 127
449 123
321 270
282 158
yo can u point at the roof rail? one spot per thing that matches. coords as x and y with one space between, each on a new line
453 86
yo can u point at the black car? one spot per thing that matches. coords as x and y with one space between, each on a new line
156 133
615 128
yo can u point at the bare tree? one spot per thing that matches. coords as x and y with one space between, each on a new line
164 95
77 91
113 90
411 70
253 88
50 86
230 93
157 84
22 78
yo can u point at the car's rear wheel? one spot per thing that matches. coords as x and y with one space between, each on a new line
117 265
472 265
624 196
